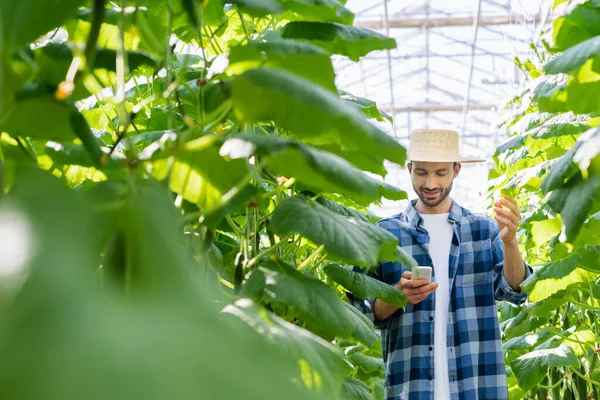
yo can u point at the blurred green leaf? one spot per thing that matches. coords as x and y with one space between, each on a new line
366 287
349 41
315 168
309 111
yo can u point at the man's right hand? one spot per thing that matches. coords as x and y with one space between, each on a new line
415 290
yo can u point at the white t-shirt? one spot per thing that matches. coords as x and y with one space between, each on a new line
440 238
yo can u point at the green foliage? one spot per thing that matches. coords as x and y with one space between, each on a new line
193 166
551 164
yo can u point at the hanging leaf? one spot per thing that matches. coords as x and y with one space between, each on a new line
574 57
363 331
303 59
352 241
366 106
311 112
320 170
320 10
339 39
365 287
258 8
315 302
319 365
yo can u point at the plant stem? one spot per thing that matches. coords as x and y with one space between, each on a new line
266 252
309 259
554 386
585 378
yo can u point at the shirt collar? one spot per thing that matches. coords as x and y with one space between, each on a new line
416 221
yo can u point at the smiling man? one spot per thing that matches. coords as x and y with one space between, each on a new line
446 343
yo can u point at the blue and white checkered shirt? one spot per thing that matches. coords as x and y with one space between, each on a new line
476 279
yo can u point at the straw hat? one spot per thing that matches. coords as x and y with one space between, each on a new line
436 145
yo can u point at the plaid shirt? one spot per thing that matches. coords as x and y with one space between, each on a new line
476 279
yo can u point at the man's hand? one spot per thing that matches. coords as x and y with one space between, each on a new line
508 219
415 290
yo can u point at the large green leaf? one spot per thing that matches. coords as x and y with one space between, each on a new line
203 177
339 39
300 58
317 169
319 364
574 57
531 368
309 111
356 242
581 22
315 302
23 21
363 331
66 326
338 208
320 10
354 389
366 287
555 276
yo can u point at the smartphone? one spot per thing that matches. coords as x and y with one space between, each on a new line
422 273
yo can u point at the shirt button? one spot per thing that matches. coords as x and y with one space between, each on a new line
430 348
431 318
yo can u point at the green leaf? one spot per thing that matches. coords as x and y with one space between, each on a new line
303 59
67 325
315 302
366 106
531 368
517 346
338 208
581 23
23 21
317 169
574 57
319 365
37 114
365 287
560 172
355 242
363 331
309 111
203 177
258 8
339 39
367 363
558 275
320 10
354 389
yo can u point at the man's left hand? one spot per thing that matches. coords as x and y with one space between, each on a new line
508 218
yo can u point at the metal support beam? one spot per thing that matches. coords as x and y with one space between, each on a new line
443 107
452 21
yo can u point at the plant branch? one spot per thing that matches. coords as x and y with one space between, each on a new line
310 258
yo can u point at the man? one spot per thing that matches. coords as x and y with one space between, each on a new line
446 343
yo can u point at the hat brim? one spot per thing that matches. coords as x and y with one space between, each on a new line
458 160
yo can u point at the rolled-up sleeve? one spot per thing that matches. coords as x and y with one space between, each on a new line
502 289
367 306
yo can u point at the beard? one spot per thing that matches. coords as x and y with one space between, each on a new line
442 194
